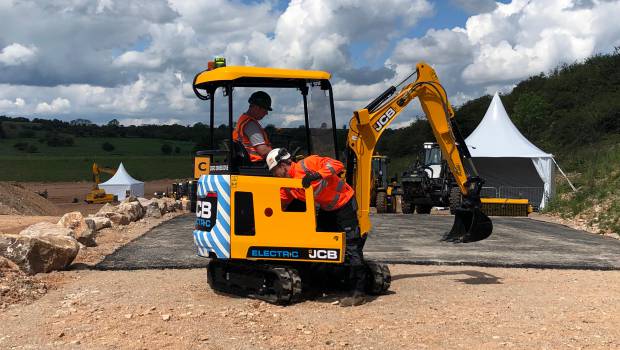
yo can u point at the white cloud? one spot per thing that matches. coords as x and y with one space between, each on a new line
317 34
137 59
532 37
149 121
16 54
293 119
9 105
58 105
497 49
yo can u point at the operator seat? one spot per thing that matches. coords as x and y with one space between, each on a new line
244 165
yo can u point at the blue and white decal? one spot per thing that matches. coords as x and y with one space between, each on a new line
212 229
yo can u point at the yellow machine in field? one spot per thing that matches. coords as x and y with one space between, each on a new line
385 193
97 195
257 247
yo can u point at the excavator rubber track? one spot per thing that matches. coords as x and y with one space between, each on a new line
275 284
378 278
282 284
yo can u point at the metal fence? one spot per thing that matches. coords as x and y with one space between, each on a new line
533 194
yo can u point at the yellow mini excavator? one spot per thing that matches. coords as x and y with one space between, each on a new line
96 194
261 250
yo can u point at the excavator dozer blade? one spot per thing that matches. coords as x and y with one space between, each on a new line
470 225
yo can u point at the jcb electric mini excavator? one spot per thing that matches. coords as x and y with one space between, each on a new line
257 247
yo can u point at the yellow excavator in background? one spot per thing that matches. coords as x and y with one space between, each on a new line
97 195
260 249
385 193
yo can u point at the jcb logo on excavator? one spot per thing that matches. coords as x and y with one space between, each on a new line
323 254
385 118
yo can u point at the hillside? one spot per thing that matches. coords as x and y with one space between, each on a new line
572 112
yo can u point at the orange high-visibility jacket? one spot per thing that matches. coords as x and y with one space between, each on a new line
240 136
330 193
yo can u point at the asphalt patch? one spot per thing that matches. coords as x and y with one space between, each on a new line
407 239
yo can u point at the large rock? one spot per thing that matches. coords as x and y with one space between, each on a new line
153 210
97 223
81 231
133 210
166 205
7 265
39 254
123 213
162 204
117 218
46 229
144 202
131 198
107 208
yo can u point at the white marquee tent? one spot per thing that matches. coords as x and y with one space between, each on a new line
122 182
511 166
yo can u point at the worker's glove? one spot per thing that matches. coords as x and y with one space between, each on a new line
309 178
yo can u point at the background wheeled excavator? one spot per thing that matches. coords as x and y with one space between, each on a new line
429 183
96 194
257 247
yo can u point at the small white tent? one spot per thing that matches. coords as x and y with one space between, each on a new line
122 182
510 164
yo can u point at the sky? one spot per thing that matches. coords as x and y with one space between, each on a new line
135 60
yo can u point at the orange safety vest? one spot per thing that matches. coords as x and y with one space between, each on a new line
240 136
330 193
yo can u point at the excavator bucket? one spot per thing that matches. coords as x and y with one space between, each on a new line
470 225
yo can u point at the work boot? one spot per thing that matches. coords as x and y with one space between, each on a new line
356 299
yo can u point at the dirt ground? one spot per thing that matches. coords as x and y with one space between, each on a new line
429 307
63 194
14 224
60 200
18 288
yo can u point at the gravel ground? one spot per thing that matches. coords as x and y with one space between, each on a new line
17 288
430 307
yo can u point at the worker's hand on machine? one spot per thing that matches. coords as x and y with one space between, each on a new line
309 178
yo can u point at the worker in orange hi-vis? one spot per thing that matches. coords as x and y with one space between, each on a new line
248 130
337 208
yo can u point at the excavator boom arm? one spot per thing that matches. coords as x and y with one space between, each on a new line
366 128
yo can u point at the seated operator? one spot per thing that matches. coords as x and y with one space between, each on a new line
337 206
249 132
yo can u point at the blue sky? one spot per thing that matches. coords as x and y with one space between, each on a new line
134 60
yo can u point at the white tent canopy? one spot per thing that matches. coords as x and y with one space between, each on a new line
508 161
121 183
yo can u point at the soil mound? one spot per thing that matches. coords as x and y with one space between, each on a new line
16 200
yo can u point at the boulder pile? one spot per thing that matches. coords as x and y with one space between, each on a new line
45 246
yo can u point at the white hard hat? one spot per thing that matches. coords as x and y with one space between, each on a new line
275 156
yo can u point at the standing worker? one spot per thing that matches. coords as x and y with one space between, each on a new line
249 132
337 207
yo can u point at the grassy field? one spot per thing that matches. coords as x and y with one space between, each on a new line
142 158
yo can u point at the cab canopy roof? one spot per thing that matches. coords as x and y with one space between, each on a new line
256 76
